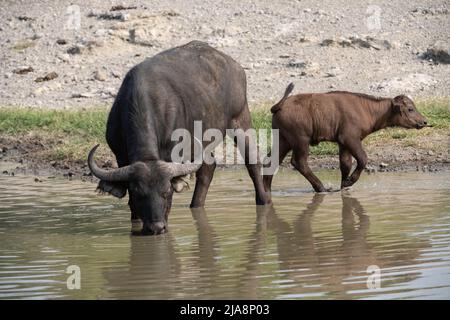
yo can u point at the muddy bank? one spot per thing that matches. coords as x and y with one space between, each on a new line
30 155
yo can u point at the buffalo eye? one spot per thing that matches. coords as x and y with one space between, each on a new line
410 109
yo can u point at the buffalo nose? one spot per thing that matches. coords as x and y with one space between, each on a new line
157 227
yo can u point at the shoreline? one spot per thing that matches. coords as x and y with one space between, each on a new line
24 159
49 142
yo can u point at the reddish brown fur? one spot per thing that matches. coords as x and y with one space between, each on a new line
339 116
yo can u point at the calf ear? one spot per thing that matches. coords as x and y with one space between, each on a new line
116 189
397 104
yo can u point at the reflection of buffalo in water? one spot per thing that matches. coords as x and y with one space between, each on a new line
308 262
155 269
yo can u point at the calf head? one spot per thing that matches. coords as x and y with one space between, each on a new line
405 113
150 185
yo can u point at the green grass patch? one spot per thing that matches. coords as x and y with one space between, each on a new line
71 132
80 129
84 123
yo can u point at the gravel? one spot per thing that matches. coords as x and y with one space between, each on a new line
381 48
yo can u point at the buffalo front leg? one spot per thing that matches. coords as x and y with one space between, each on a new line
203 179
136 222
345 163
300 162
357 151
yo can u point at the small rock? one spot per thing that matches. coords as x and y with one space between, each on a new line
430 153
23 70
75 50
63 57
83 95
438 52
99 75
371 169
328 42
61 41
116 74
383 165
37 180
121 7
25 18
333 72
296 64
100 32
140 36
110 16
47 77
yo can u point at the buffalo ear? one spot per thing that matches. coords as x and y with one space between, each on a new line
116 189
179 184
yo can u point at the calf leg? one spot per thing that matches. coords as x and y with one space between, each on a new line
345 163
283 148
357 151
300 162
204 176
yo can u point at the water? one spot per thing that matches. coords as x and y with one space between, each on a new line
309 246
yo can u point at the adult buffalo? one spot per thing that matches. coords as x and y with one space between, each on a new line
170 91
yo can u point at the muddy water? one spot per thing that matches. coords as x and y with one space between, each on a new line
309 246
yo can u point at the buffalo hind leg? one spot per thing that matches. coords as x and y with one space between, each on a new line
204 176
300 162
357 151
249 150
345 163
283 149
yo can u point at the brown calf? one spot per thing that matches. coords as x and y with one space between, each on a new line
338 116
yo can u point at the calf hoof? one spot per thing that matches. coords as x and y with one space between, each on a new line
196 204
325 190
266 202
346 184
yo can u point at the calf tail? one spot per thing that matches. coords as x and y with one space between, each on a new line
287 92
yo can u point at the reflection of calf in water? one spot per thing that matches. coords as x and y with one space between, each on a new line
320 259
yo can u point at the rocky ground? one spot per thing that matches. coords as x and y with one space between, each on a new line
76 53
